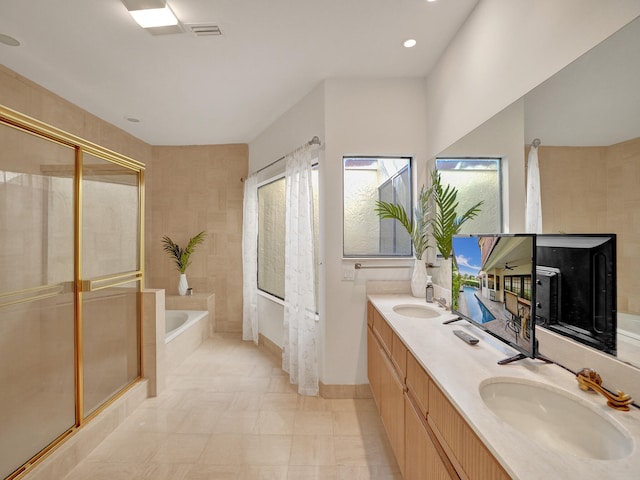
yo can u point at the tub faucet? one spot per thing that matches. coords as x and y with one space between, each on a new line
442 302
590 380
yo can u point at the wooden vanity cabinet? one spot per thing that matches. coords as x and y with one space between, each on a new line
429 438
387 380
423 460
468 454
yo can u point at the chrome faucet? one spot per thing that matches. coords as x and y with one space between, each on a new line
590 380
442 302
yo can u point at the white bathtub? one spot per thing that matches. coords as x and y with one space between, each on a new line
185 331
177 321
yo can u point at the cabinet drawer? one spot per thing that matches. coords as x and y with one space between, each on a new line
467 453
383 330
418 384
399 356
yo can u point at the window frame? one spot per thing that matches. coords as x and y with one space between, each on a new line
500 173
409 168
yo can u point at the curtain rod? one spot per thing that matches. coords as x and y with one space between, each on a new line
314 141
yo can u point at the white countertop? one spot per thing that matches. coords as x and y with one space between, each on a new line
458 369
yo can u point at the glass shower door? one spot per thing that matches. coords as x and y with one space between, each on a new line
111 277
37 357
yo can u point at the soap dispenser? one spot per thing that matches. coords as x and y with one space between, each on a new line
429 290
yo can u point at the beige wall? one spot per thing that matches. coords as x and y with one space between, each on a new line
595 189
198 188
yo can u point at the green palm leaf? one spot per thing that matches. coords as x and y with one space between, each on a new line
181 255
446 222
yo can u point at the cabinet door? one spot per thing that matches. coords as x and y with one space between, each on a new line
374 364
422 459
466 451
418 384
392 408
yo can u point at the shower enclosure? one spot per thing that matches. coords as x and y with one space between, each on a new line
71 216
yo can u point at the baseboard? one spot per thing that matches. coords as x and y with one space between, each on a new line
269 346
326 391
345 391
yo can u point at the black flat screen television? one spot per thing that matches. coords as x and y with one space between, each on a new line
493 284
576 291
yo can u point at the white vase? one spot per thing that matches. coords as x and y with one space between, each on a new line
182 284
419 279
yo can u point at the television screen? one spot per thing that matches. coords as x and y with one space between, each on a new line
576 292
493 284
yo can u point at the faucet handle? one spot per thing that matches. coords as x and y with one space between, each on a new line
590 380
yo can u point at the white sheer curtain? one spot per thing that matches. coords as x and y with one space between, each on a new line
299 349
250 260
533 214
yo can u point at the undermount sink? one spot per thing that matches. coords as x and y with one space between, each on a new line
556 419
416 311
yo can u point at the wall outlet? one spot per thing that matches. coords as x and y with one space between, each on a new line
348 273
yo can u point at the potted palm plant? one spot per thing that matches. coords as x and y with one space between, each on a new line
446 222
418 230
181 257
442 221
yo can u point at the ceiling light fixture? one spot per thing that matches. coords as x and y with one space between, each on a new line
155 16
410 43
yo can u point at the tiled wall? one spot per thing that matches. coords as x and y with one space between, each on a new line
595 189
198 188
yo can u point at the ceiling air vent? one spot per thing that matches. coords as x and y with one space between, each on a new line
204 29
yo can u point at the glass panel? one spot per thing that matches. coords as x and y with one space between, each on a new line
271 232
367 179
110 236
37 398
110 338
110 218
476 179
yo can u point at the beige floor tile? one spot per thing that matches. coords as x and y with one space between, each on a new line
313 450
363 450
263 473
154 420
243 401
180 448
213 472
275 422
280 401
357 423
268 450
106 471
224 449
200 420
313 473
128 447
313 423
237 422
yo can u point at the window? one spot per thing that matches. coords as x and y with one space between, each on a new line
519 285
271 233
476 179
365 180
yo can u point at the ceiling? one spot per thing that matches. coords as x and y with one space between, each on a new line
188 90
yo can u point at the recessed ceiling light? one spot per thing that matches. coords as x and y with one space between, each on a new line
431 1
7 40
132 119
410 43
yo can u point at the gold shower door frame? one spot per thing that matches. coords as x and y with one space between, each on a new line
81 286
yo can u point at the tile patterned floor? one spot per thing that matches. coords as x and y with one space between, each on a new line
228 412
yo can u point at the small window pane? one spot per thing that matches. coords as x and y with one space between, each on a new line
367 179
476 179
271 234
271 231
